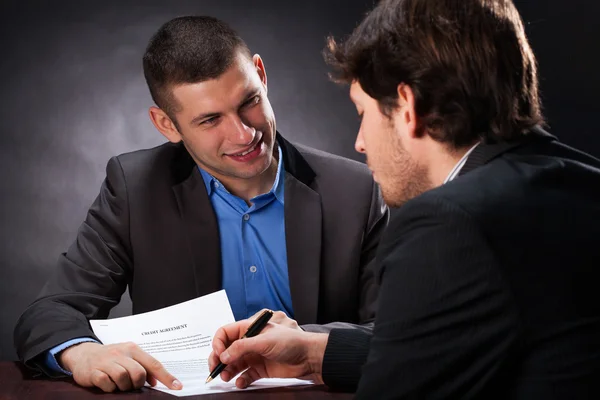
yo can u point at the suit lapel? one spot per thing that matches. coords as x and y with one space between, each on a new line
303 244
202 231
302 233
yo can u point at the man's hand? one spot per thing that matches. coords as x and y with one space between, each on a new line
279 318
124 366
280 351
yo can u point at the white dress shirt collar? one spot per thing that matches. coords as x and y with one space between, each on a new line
456 170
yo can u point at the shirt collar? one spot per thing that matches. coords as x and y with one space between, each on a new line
277 189
455 171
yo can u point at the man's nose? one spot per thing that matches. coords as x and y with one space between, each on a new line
241 133
359 144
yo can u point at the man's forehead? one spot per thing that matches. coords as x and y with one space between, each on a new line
231 84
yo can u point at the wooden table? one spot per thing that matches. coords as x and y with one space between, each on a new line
17 383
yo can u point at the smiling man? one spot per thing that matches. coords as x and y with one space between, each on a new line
228 203
225 123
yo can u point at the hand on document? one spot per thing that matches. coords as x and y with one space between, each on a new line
179 337
122 366
281 350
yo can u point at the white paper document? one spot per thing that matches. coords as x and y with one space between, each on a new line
180 337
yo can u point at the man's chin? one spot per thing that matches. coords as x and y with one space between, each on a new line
253 171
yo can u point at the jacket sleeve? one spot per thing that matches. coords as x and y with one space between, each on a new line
345 354
89 279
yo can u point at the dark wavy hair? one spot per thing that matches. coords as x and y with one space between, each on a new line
468 63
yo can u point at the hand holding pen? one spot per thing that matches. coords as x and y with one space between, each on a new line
282 350
257 326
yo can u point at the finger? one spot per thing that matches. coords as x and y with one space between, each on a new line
219 339
118 374
150 379
241 348
247 378
155 368
227 334
278 317
223 338
258 314
213 360
102 381
137 373
226 376
233 369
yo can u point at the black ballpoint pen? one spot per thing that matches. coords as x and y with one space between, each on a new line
253 330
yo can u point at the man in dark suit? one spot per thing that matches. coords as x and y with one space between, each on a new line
488 269
228 203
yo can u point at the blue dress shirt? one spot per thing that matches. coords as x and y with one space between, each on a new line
253 247
50 359
253 253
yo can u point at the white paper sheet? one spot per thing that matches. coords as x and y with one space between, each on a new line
180 337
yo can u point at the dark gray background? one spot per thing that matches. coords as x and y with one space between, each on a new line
73 94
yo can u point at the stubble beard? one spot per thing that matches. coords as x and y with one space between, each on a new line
408 178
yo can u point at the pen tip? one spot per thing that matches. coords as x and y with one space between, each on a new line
208 380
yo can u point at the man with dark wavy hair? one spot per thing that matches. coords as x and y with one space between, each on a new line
487 271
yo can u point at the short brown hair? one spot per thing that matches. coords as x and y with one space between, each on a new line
188 49
468 63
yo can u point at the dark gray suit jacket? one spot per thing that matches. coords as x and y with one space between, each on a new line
489 285
152 229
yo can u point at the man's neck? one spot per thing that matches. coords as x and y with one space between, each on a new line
444 161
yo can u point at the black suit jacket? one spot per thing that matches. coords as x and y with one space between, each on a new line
152 229
489 285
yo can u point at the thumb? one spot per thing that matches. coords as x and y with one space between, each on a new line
238 349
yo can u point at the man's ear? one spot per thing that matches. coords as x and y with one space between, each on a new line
260 69
164 124
406 109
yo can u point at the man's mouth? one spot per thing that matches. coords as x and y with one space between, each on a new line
251 149
249 153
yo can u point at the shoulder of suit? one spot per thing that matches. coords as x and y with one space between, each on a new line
512 181
159 161
492 185
489 188
166 150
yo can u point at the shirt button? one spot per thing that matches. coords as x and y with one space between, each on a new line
217 185
253 269
246 217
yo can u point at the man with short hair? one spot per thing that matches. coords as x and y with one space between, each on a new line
228 203
488 270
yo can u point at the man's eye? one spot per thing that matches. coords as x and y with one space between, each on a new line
254 100
209 121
